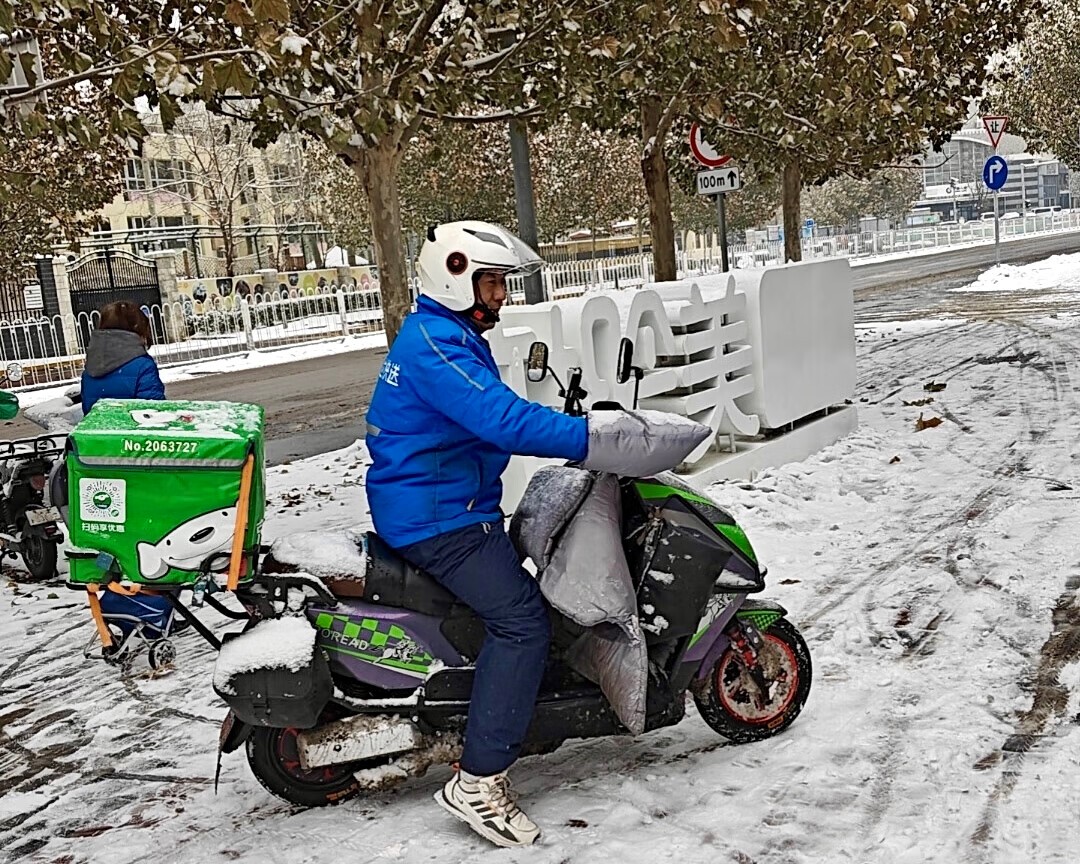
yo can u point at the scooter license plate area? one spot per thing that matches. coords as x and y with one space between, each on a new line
43 516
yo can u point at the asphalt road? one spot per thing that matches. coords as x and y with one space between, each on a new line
317 405
312 406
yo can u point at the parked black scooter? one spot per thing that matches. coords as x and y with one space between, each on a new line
27 526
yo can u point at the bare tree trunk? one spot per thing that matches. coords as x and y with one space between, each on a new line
229 248
792 215
378 171
657 185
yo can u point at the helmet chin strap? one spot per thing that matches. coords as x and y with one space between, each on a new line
482 314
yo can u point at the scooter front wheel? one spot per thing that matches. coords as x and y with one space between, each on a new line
730 700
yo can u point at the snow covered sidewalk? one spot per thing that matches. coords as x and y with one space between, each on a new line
932 567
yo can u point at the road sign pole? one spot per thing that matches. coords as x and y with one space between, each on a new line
721 215
997 220
995 127
997 231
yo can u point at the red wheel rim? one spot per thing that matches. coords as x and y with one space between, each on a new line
736 692
289 758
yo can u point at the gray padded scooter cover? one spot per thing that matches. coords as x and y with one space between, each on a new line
554 495
587 579
640 443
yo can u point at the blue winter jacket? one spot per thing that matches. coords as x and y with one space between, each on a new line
442 427
118 367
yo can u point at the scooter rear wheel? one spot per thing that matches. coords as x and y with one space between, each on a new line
727 700
275 762
39 556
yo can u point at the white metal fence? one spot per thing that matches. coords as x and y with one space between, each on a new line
233 325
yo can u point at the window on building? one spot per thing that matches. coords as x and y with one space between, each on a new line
246 242
283 177
180 239
134 176
184 173
162 174
247 186
137 235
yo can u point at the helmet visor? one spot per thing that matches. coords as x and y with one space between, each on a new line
526 269
521 260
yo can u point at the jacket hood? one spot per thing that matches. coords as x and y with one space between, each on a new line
111 349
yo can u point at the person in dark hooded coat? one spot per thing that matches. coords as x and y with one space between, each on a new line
118 365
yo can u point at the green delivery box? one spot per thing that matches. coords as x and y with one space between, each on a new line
156 487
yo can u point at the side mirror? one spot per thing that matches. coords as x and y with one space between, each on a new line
9 405
14 372
623 367
536 367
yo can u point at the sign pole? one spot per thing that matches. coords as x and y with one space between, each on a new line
997 221
721 215
721 177
997 231
995 128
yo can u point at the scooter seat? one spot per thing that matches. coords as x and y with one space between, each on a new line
392 581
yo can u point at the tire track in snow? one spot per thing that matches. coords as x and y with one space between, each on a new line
1063 647
989 463
989 502
1044 722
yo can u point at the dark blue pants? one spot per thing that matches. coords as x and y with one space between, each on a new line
480 566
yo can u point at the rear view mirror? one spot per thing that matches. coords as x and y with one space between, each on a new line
14 372
9 405
623 366
536 367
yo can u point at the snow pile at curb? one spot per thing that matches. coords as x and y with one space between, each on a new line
1057 273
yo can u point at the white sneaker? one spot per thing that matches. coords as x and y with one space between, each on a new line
487 806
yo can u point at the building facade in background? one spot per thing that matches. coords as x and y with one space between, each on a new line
189 190
953 188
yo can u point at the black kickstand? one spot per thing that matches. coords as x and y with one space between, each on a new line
189 616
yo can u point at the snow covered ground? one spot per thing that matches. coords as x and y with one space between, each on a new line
933 571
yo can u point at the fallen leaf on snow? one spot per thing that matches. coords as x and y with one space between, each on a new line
921 424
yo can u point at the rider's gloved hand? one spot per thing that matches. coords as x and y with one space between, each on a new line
641 443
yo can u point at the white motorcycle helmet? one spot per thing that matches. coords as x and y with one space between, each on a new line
454 255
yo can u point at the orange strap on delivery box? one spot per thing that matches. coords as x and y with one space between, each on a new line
99 621
236 559
126 590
